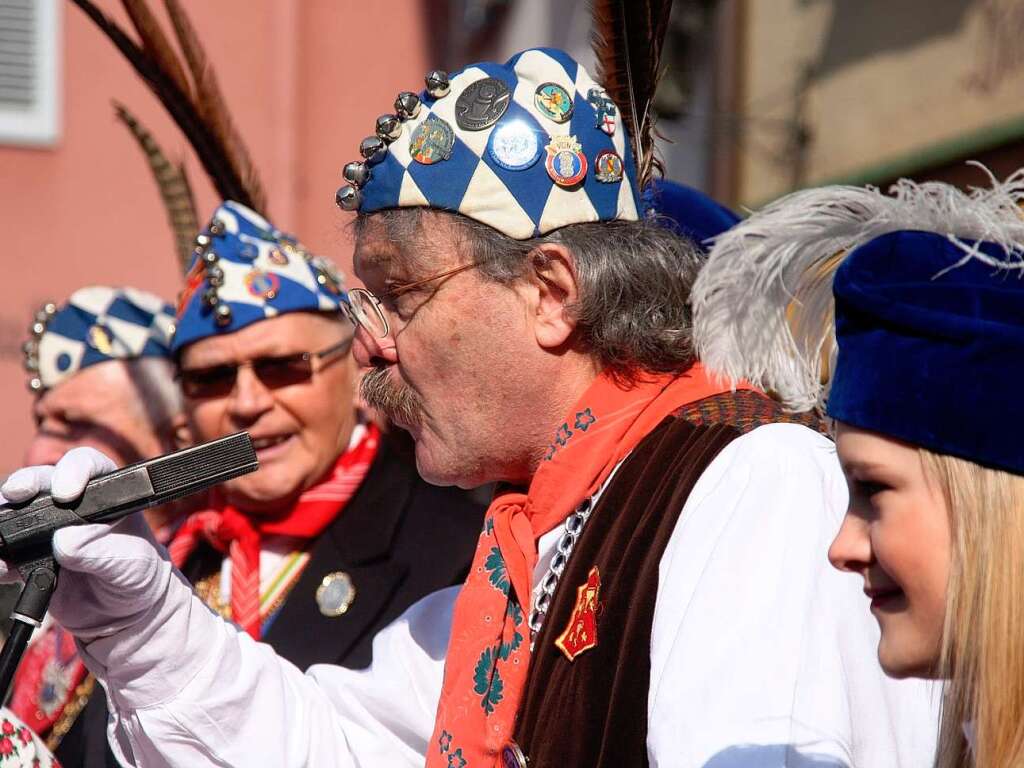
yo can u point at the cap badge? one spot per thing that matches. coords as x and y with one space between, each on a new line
278 257
262 285
335 594
432 141
581 633
608 167
512 756
553 101
514 145
101 340
566 163
604 110
481 104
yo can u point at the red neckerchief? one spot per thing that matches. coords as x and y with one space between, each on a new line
489 651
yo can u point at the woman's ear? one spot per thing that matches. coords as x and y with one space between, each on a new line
554 278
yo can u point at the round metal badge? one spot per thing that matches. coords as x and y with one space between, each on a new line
432 141
608 167
514 145
335 594
553 101
482 104
566 163
512 756
262 285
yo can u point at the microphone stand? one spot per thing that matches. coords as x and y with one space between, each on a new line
40 581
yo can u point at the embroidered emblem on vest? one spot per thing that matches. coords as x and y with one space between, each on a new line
581 633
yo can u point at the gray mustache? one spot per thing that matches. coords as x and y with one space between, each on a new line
391 398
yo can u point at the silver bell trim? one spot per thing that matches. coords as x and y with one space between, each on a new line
348 198
373 149
222 314
356 173
438 85
389 128
407 105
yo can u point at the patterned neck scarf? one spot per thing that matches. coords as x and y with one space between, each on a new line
489 652
234 533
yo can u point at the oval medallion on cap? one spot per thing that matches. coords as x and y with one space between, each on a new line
432 141
553 101
482 104
101 339
335 594
514 145
608 167
512 756
262 285
566 163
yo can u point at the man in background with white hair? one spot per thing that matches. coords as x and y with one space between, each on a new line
101 369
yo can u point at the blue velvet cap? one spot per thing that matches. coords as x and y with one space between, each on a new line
689 211
557 152
98 323
932 357
246 270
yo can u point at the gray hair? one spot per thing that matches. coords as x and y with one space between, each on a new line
153 380
634 277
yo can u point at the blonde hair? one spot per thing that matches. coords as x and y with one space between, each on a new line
983 639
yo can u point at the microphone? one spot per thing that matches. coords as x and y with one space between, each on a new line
26 529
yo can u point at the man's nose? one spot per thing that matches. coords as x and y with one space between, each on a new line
369 350
250 398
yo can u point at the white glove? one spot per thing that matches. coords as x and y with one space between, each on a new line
109 574
117 591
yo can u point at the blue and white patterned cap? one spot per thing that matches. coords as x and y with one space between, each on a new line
525 147
97 324
246 270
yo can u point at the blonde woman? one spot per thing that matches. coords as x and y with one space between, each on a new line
904 315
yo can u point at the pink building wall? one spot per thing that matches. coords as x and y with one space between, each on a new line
304 81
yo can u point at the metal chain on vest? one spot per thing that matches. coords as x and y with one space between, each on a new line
573 528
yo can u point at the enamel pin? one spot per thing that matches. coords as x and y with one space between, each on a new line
566 163
581 633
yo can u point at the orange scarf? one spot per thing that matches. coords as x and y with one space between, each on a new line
489 651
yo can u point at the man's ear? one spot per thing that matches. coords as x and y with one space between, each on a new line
553 273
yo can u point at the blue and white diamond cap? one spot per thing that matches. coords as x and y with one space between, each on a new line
498 172
98 323
246 270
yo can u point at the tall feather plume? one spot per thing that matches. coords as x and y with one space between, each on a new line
763 308
214 152
175 190
627 39
155 43
210 102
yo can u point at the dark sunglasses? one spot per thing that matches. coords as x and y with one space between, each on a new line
273 372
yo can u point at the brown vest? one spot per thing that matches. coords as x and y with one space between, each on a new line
593 711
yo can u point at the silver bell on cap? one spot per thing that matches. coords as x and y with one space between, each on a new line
348 198
373 149
407 105
389 127
356 173
438 84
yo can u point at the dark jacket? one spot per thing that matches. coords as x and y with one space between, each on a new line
399 539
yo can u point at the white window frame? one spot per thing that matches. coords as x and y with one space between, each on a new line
40 125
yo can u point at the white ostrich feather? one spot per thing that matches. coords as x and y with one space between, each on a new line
762 304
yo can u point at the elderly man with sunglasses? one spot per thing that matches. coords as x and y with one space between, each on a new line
650 585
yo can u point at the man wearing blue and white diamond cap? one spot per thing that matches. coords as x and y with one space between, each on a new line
650 586
103 347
